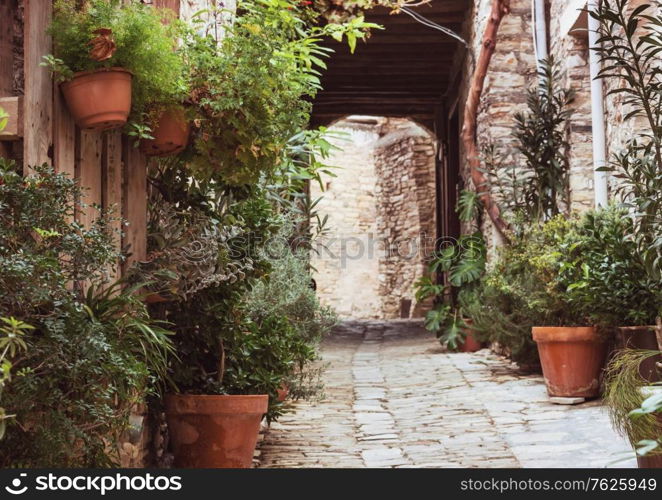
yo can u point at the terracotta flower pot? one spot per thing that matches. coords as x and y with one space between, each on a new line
170 134
652 461
283 392
572 359
641 337
99 99
470 344
214 431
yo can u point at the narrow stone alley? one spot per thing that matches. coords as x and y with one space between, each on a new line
395 398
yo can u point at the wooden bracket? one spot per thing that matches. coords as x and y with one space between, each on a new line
13 106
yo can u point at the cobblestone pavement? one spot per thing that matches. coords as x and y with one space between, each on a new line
395 398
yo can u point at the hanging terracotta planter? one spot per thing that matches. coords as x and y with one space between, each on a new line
170 134
99 99
214 431
471 343
572 359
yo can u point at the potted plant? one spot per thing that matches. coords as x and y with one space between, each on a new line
170 133
455 271
571 347
649 451
113 59
631 401
603 273
251 90
245 323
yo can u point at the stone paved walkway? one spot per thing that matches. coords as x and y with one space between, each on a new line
395 398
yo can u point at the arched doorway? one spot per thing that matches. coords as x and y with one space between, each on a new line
381 216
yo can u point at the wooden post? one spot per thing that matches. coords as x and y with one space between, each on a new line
88 171
7 9
64 136
111 184
38 108
499 9
134 201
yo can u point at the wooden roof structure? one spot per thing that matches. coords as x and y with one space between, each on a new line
404 70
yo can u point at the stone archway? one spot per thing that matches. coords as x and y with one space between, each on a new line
381 210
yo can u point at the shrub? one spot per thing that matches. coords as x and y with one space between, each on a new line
519 292
286 292
91 356
633 60
252 90
464 264
538 188
603 274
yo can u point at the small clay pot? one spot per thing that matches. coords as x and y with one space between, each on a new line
99 99
208 431
283 392
471 343
170 134
572 359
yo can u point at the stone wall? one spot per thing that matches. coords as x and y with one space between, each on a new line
513 70
406 214
381 209
347 264
570 51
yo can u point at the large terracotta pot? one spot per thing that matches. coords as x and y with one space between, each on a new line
572 359
641 337
170 134
470 344
99 99
214 431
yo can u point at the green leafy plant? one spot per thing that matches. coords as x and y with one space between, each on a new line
463 264
343 11
139 38
289 188
286 292
94 352
652 405
602 272
631 41
11 344
251 90
625 400
538 189
519 291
